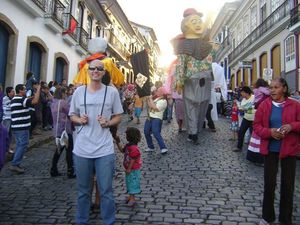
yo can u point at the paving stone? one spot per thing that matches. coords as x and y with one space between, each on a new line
190 185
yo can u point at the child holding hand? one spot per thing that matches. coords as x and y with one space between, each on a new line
132 163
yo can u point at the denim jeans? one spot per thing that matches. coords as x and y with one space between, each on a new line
105 168
22 141
153 125
245 125
170 111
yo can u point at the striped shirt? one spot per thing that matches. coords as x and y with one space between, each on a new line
20 116
6 108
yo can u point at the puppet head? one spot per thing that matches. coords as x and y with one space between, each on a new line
97 45
192 25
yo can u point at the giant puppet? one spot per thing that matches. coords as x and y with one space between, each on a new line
193 73
97 46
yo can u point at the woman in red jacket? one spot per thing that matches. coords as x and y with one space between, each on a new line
277 122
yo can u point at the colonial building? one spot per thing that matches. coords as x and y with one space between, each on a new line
293 47
50 37
259 43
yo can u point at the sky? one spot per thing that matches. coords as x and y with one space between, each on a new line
165 16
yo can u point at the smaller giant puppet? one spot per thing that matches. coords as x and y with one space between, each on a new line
193 73
97 46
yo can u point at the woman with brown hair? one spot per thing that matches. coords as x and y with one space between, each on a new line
61 123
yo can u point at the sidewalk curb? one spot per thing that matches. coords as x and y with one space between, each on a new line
37 141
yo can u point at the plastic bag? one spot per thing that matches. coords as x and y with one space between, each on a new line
63 140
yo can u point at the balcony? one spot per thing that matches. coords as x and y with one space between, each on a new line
36 8
54 17
83 39
295 19
70 26
272 21
117 46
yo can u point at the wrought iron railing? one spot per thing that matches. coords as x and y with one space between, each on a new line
114 41
83 38
279 14
295 15
55 9
41 4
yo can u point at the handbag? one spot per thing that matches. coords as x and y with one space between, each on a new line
254 143
63 140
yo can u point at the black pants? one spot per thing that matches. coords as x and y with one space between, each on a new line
46 116
69 156
243 128
210 122
288 168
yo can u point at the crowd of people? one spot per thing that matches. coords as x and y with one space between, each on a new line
84 121
267 111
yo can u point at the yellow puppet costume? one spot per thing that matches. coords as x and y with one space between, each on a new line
97 46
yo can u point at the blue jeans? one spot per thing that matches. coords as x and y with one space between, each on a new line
105 168
153 126
22 141
170 111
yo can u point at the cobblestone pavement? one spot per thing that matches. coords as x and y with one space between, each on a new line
204 184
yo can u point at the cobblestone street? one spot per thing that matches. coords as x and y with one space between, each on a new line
204 184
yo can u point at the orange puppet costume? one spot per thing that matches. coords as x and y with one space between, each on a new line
97 47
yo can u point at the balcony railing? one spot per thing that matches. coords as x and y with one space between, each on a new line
55 9
114 41
279 14
83 38
41 4
295 15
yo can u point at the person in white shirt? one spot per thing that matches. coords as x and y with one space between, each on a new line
247 106
153 124
96 107
6 120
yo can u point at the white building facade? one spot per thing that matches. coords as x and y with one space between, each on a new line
50 37
260 43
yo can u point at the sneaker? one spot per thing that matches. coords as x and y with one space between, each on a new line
163 151
149 150
263 222
17 169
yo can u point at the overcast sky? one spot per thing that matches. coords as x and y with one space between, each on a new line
165 16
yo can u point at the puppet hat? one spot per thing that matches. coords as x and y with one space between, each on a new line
191 11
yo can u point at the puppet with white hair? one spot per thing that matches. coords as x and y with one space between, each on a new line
97 46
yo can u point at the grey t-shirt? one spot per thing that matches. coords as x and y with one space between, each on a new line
93 141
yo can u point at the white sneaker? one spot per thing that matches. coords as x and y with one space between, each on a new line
149 150
163 151
263 222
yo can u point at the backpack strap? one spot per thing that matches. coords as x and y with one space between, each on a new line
103 101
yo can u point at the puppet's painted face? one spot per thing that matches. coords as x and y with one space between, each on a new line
194 27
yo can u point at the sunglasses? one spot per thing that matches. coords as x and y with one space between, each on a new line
99 68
